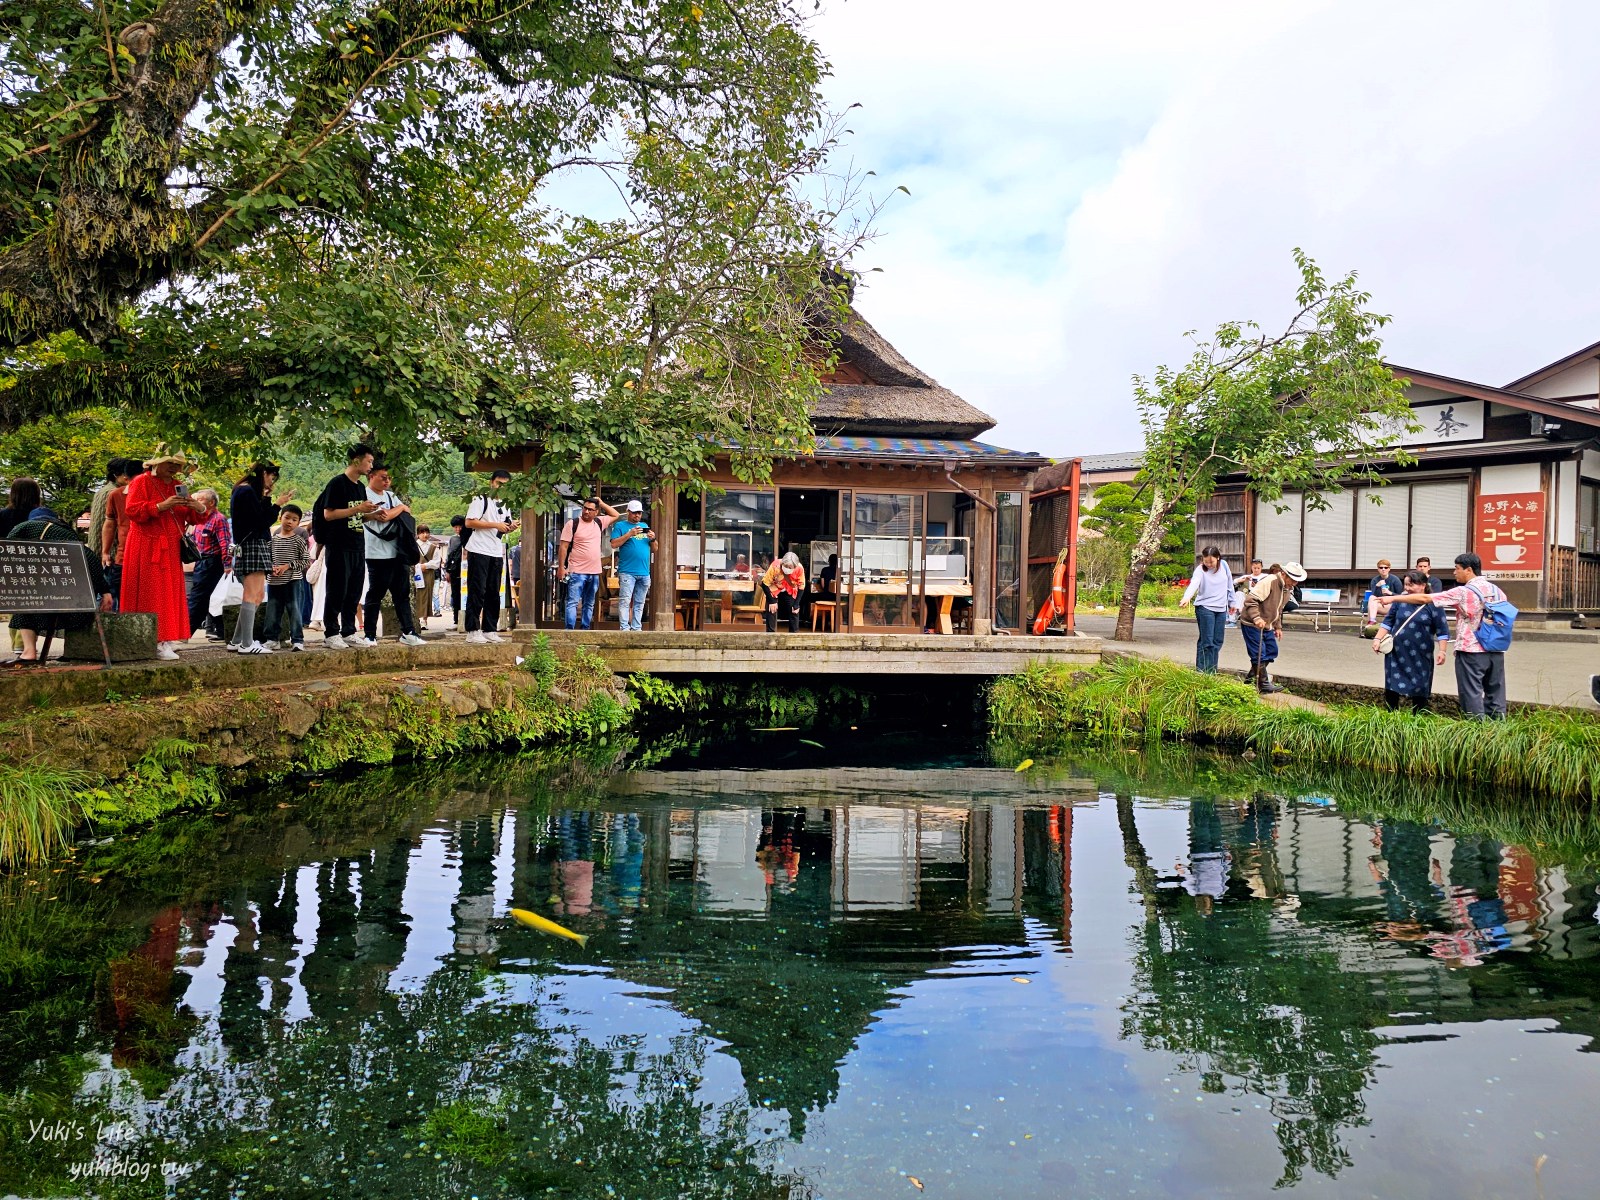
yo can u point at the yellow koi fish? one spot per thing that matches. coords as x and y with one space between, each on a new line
1024 765
544 925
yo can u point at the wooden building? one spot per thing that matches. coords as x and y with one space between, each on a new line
1512 473
927 524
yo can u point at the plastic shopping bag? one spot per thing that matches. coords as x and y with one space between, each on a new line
228 592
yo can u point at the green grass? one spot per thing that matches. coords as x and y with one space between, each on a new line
1547 751
38 810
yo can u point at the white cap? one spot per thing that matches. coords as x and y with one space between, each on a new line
635 506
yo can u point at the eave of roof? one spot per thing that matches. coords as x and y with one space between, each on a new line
1481 391
1555 368
962 451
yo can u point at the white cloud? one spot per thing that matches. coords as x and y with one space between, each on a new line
1089 184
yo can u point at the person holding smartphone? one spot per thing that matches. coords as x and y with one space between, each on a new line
632 539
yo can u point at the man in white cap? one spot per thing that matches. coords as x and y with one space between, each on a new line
1261 620
631 539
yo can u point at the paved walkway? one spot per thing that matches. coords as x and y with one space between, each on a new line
1539 672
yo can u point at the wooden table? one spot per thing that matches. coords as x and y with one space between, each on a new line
944 593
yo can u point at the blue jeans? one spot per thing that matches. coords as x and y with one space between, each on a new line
581 588
633 589
1213 628
1262 644
281 614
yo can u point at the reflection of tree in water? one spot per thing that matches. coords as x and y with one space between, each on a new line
456 1091
1254 1003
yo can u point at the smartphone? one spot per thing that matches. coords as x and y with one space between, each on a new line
183 491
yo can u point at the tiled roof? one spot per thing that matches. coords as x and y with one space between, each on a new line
904 447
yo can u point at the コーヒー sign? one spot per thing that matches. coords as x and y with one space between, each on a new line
1509 535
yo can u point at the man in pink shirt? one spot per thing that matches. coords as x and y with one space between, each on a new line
578 558
1480 673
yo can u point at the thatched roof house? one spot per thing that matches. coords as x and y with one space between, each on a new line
874 390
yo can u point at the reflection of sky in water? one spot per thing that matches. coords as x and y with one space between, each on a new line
1102 1042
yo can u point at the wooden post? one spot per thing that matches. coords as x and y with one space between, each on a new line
984 545
532 544
1074 483
664 556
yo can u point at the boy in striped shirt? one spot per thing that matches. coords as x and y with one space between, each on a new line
291 556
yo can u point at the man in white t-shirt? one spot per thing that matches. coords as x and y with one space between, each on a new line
488 521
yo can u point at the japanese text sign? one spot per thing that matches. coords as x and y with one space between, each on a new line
1509 535
47 577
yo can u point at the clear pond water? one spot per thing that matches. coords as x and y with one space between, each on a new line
807 976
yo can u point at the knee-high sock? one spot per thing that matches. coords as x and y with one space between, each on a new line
245 634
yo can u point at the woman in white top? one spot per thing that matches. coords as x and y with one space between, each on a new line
1211 591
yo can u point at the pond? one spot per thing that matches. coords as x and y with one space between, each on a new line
869 968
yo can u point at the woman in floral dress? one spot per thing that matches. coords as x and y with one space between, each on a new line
1420 633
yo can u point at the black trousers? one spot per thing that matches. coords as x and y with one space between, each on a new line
455 597
343 595
207 573
483 592
1419 703
388 577
788 610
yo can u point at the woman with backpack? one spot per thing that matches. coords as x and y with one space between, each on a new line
1483 632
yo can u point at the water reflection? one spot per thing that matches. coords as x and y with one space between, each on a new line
813 981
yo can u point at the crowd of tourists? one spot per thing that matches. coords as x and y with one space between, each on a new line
155 546
1409 620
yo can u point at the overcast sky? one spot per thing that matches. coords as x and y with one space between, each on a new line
1089 181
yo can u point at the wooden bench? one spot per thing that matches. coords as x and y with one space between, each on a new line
1318 604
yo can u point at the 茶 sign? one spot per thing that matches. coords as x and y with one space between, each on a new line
1508 535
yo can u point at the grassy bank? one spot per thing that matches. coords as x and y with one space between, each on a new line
1553 753
110 766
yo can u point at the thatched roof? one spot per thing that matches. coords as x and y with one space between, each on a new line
896 397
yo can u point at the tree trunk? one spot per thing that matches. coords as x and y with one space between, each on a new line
1144 553
1134 854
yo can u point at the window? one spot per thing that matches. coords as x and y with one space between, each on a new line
1439 521
1353 533
1278 533
1383 525
1330 533
1589 516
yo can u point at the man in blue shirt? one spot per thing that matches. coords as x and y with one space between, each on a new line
631 539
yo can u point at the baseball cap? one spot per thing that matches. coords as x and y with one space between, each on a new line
635 506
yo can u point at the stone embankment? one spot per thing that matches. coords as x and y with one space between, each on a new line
118 758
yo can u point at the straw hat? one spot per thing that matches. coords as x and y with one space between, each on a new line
165 456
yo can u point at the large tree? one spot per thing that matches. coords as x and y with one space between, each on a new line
580 223
1310 408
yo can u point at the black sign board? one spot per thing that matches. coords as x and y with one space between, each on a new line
45 577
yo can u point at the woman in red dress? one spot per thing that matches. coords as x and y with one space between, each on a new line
152 563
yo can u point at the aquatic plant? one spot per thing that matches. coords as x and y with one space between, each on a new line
1550 751
37 810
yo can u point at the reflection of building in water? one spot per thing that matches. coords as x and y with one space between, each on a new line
881 860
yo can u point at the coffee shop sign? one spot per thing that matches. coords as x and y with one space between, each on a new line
1510 535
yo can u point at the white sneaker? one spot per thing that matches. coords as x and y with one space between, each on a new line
357 641
335 643
165 651
493 637
411 639
297 645
476 638
255 648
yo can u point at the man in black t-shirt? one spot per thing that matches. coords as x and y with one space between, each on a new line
343 537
